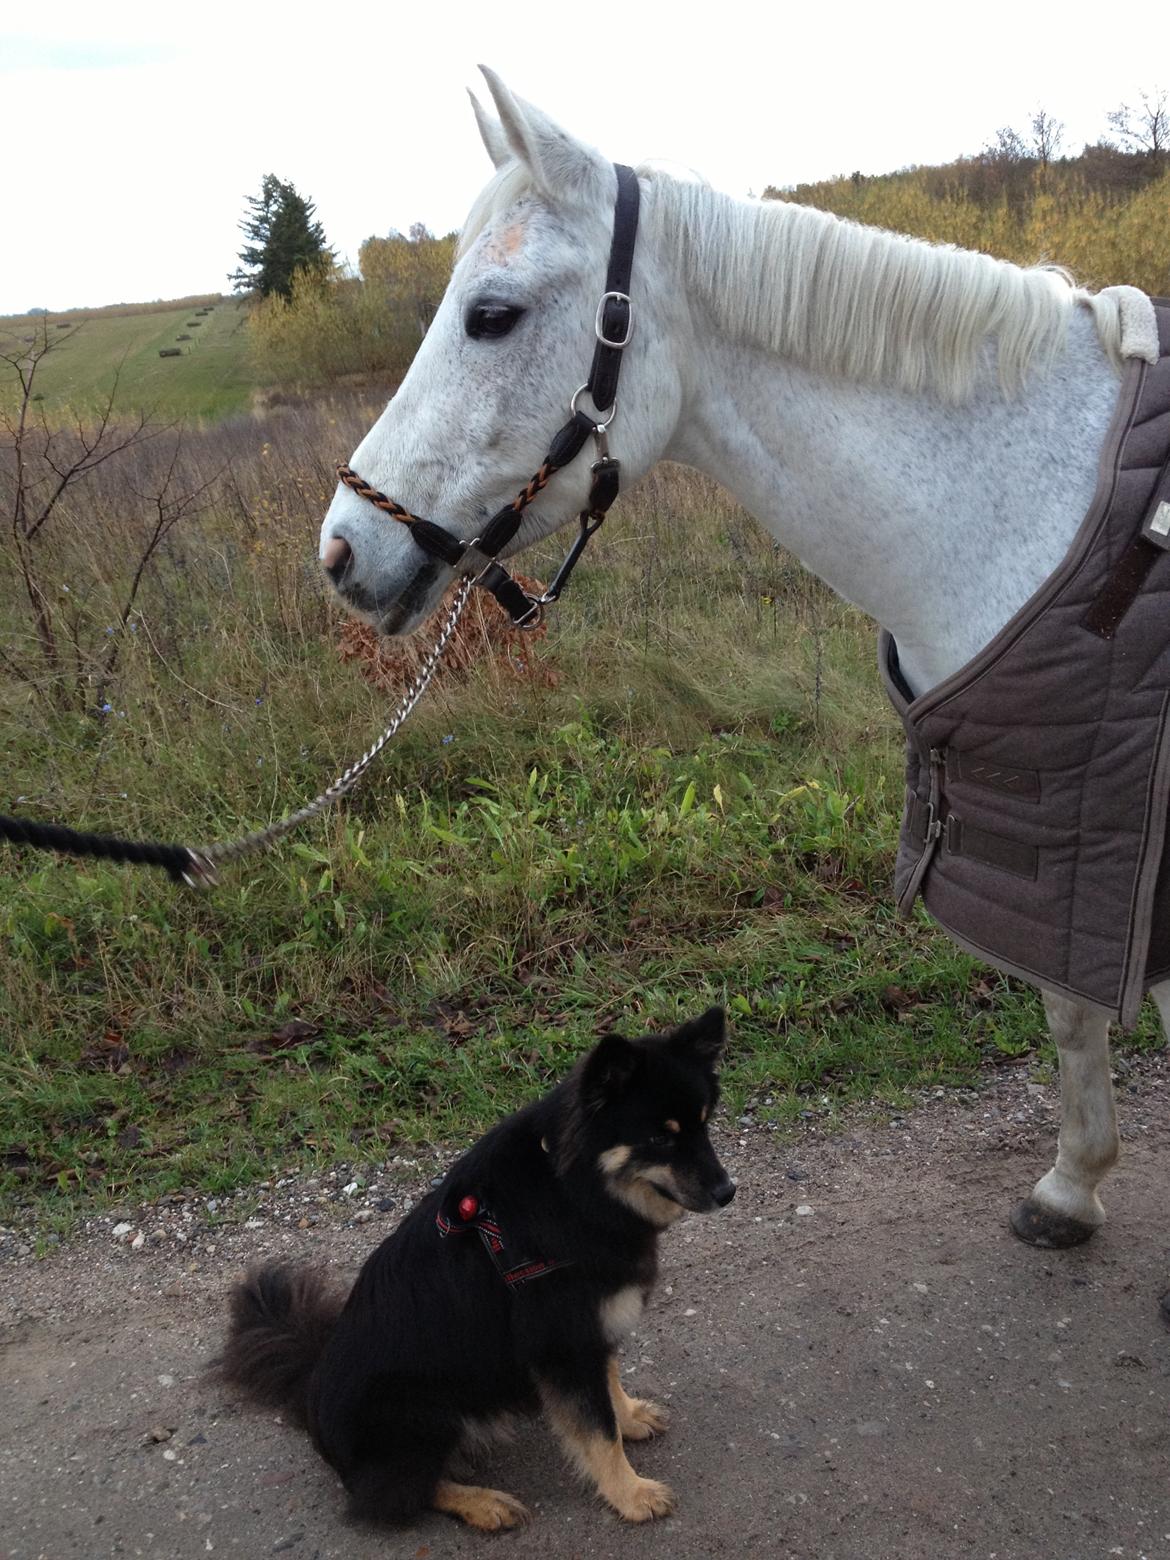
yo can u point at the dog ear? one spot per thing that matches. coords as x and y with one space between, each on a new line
609 1068
703 1037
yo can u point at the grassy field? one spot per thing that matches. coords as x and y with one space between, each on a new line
695 799
211 379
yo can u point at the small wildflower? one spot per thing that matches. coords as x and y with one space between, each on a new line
259 701
109 633
133 627
106 707
450 737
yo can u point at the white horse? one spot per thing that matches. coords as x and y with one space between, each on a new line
920 425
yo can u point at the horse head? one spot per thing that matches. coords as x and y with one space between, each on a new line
492 381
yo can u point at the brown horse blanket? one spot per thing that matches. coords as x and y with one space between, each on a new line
1038 775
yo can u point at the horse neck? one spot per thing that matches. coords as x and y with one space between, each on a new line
938 520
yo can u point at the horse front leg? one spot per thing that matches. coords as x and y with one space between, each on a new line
1064 1208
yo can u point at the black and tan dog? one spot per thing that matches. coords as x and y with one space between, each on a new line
507 1289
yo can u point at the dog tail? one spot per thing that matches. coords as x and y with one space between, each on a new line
281 1318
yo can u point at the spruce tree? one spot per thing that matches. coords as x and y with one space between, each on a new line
282 236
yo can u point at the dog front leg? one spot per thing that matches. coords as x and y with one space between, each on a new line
579 1407
637 1418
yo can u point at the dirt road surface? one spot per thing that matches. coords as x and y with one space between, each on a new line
859 1358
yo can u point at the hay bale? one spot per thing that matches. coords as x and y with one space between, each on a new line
184 338
193 322
170 352
483 634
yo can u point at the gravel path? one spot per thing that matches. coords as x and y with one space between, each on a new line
860 1361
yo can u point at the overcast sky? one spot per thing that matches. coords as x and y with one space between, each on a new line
135 131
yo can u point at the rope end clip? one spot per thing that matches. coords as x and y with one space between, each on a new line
200 871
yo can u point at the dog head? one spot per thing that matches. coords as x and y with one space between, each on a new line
641 1119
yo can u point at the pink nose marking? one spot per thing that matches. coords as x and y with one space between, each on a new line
337 550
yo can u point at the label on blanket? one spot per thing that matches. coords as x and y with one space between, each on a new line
1157 528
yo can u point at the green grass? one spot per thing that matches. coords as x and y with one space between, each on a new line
701 807
211 380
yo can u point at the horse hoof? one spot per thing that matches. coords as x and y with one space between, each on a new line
1039 1227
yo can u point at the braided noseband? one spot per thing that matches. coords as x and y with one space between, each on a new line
613 328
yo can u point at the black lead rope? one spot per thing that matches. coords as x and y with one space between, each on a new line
174 859
613 327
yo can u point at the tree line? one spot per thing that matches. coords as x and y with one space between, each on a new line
1102 213
315 321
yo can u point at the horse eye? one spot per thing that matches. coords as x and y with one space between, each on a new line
491 319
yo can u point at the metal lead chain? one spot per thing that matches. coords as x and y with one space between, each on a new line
206 860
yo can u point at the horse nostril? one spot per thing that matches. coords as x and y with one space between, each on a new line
723 1194
336 554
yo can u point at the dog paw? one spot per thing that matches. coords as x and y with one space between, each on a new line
643 1419
644 1500
498 1510
488 1510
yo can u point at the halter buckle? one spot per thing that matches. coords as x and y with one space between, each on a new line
599 321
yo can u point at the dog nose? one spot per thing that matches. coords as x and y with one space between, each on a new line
336 554
723 1194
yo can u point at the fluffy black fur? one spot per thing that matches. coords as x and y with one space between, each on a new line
431 1341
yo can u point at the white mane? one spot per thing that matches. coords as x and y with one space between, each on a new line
851 300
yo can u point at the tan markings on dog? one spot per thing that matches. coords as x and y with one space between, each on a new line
672 1125
704 1113
488 1510
602 1461
647 1200
621 1312
638 1419
615 1159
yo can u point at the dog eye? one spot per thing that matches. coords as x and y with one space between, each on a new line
491 319
661 1140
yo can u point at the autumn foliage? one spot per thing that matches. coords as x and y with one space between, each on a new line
1102 215
336 327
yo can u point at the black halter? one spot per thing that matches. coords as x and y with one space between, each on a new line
613 328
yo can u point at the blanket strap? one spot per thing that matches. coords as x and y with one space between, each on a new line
1128 574
932 823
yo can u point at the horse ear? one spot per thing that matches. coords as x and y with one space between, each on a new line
703 1037
561 165
492 132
